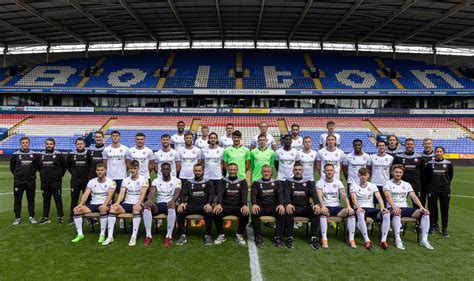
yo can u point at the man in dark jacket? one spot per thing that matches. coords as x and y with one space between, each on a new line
76 163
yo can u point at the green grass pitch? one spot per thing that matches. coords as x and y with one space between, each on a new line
44 252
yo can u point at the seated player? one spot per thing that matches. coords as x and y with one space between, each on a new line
102 190
196 198
330 190
232 193
134 189
267 200
167 189
396 192
362 195
298 193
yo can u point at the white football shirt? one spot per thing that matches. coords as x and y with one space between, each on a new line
200 143
170 157
143 156
177 140
322 139
165 189
399 193
365 195
270 140
226 141
354 163
297 144
333 157
116 166
286 160
100 190
212 162
134 189
380 168
307 160
331 191
189 157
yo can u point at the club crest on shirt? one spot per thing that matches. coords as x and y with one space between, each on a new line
143 152
238 185
120 150
416 159
203 185
273 184
54 156
337 154
304 184
444 165
403 188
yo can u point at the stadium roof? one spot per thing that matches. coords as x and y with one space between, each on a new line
415 22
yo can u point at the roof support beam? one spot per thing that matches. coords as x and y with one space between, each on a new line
22 32
456 36
394 15
309 3
35 13
134 15
262 6
342 20
178 17
95 20
221 28
435 21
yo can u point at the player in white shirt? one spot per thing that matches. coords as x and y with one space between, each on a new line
101 190
296 140
322 138
177 140
363 194
330 155
353 162
396 192
167 155
203 141
263 126
226 141
330 191
167 189
285 158
142 154
189 155
380 164
115 160
308 159
213 158
133 190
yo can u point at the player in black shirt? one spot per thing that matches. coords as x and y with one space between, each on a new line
438 176
232 193
76 163
298 193
94 154
23 166
52 166
197 196
428 152
393 147
267 200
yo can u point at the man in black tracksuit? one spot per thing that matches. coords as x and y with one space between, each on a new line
52 166
76 163
438 176
267 200
94 154
23 165
232 193
197 196
297 198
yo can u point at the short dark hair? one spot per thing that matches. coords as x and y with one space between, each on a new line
165 164
262 136
79 139
330 123
51 140
306 137
198 165
409 139
237 133
24 138
363 171
357 140
180 122
380 141
286 136
140 135
100 165
233 164
188 134
165 136
328 164
115 132
398 166
441 147
229 124
295 125
99 132
297 165
134 163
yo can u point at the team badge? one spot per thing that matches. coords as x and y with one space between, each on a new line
16 189
273 184
143 152
304 184
444 165
403 188
31 156
203 185
238 185
121 150
54 156
336 154
416 159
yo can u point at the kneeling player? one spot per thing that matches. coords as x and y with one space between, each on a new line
267 200
362 195
232 193
134 190
102 190
196 198
297 198
396 192
329 191
167 189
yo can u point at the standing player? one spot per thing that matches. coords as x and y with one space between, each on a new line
101 189
226 141
380 164
396 192
189 155
203 141
260 157
428 153
167 189
298 193
237 154
76 163
308 159
330 155
353 162
133 190
330 190
362 195
331 126
115 160
393 147
438 176
267 199
142 154
285 159
196 198
167 155
232 192
263 126
177 140
296 140
23 165
213 158
94 153
52 166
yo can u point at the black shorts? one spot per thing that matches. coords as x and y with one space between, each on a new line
372 213
333 211
127 207
162 208
93 207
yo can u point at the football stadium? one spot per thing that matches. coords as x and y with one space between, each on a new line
236 139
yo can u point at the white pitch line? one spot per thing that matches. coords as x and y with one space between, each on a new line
463 196
255 271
